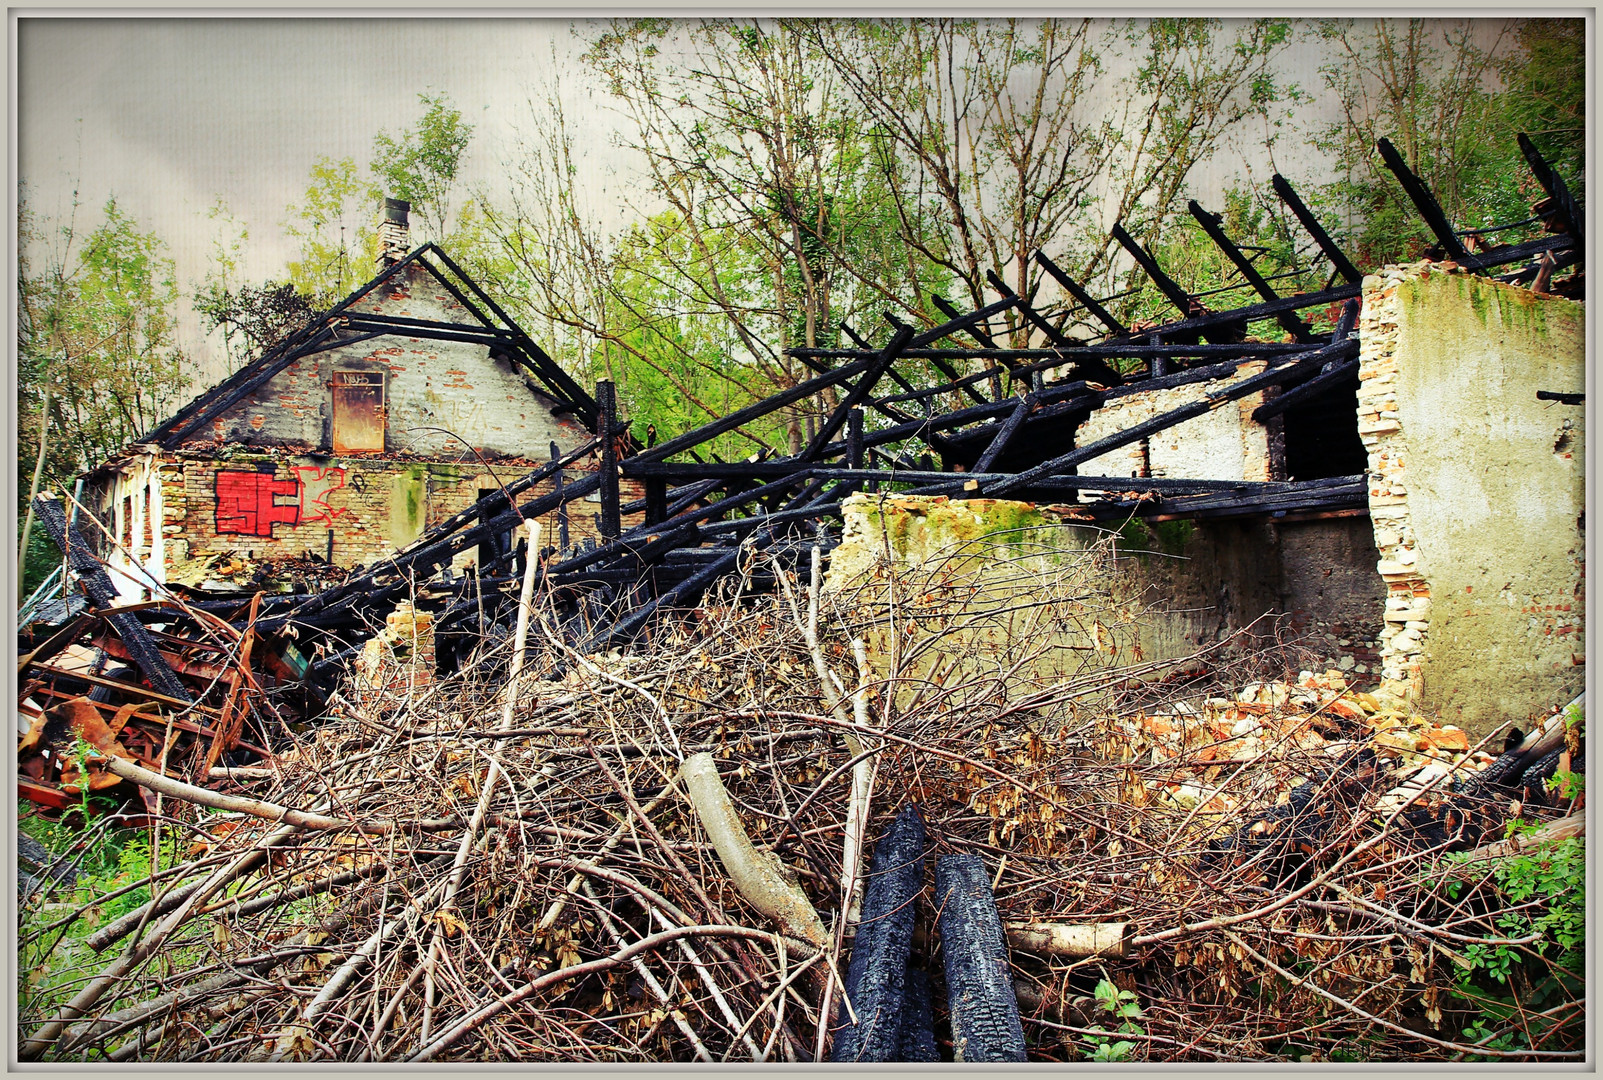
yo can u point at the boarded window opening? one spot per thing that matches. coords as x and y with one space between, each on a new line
358 411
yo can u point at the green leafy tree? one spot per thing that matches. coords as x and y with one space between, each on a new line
1545 92
992 152
336 227
1451 97
420 164
98 363
752 140
98 332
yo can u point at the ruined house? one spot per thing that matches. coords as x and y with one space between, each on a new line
1390 469
409 401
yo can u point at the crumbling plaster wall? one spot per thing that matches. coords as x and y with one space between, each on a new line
1477 489
1224 444
1162 591
441 385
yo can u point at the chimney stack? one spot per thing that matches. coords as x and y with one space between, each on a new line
393 239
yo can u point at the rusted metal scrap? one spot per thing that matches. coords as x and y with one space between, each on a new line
175 699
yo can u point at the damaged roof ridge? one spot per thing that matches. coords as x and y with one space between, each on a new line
313 337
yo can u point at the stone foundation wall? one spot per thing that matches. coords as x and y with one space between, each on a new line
1477 490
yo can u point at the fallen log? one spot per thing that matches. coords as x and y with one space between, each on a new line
876 979
979 989
1562 829
1071 939
759 876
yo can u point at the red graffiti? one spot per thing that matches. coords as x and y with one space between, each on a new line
245 505
318 482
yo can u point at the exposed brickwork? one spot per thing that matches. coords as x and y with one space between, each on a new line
372 506
1476 489
1407 614
398 661
1224 444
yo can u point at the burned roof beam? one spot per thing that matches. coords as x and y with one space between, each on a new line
1425 202
1338 493
973 318
755 411
1319 384
1059 357
1211 225
979 334
952 377
858 393
944 388
1299 301
584 405
1004 435
1090 367
1177 296
976 331
251 377
1294 203
1163 421
1569 214
1083 298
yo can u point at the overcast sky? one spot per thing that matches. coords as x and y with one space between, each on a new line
171 114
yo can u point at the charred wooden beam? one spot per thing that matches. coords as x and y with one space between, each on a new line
953 378
977 331
559 380
1184 301
1425 202
1211 224
1322 383
859 393
987 343
964 322
611 523
1004 435
1496 257
1091 367
656 501
813 359
1056 357
755 411
1569 215
1083 298
1310 223
1163 421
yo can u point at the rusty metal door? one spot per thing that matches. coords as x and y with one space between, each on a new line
358 411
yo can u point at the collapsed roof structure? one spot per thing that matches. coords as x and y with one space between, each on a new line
1021 427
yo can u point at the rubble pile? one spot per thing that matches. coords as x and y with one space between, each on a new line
666 856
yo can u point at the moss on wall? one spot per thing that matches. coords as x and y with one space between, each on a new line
408 503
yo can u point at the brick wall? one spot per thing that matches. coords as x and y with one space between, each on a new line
371 506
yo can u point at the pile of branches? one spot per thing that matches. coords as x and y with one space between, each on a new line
508 864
